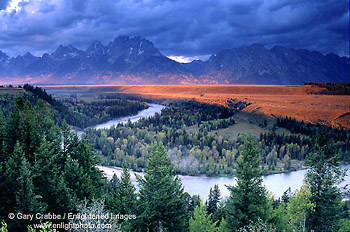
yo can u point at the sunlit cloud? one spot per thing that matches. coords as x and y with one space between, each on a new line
13 5
188 59
180 59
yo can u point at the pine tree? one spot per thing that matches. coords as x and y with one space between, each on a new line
25 131
77 180
223 226
201 221
12 132
125 195
210 203
125 199
161 198
27 201
110 192
213 200
323 177
48 177
248 200
9 176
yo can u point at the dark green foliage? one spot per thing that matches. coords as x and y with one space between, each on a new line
309 129
331 88
77 113
248 200
2 137
125 194
121 198
211 154
131 143
201 221
301 143
84 113
213 200
161 200
43 170
9 176
192 202
27 201
192 112
323 177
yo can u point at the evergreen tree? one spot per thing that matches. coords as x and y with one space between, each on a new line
201 221
223 226
213 205
9 179
323 177
12 132
25 131
161 198
27 201
210 203
41 169
77 180
213 200
125 199
248 200
110 192
48 177
281 218
125 195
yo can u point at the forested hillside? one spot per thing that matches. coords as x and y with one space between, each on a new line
199 151
43 167
76 112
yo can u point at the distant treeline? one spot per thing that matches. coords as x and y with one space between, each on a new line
77 113
83 113
294 126
331 88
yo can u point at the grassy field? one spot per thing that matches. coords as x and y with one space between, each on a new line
267 100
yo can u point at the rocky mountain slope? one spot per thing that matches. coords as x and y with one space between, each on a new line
135 60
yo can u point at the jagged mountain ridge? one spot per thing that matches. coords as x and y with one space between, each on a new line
135 60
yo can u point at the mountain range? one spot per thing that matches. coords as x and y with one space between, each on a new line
135 60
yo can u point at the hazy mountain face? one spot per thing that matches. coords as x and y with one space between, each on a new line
135 60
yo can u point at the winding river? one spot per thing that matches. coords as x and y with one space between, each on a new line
277 183
150 111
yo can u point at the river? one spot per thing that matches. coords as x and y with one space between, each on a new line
150 111
277 183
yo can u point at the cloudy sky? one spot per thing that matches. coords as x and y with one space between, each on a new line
185 29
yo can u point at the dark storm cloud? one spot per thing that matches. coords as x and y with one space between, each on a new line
186 28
